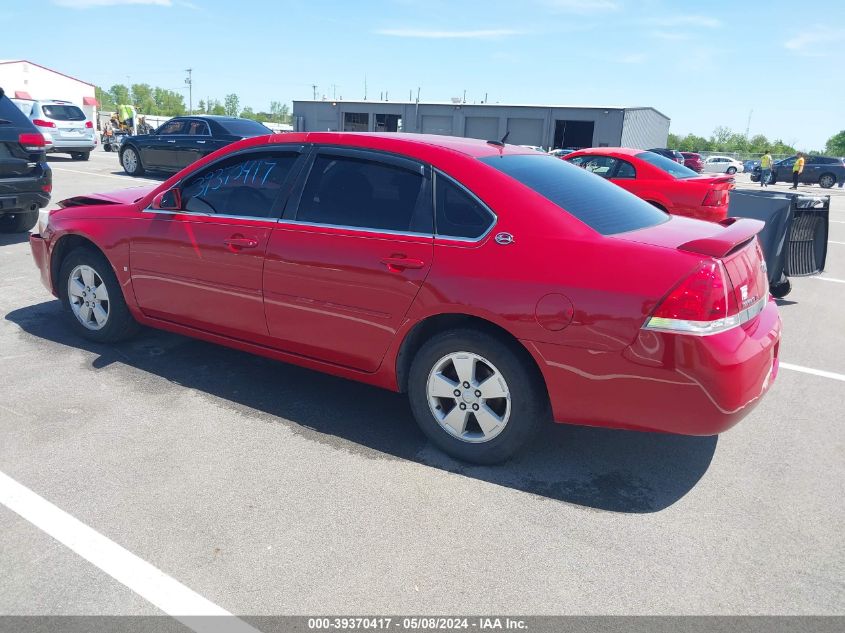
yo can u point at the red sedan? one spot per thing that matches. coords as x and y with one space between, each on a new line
693 161
497 286
660 181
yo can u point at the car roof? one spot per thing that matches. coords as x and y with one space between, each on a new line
475 148
612 151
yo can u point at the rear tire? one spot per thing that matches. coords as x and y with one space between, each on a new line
131 161
489 367
18 222
826 181
95 286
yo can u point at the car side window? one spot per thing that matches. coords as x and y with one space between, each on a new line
625 170
358 192
198 128
600 165
457 213
244 185
173 127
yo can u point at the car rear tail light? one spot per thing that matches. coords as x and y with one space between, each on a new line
89 125
32 142
47 188
43 123
704 303
715 198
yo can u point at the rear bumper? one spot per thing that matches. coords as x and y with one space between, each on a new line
23 201
76 145
41 255
673 383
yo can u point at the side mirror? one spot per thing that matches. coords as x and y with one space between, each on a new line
170 200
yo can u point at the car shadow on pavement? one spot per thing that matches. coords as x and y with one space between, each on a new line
7 239
618 471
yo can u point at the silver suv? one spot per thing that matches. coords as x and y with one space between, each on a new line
63 123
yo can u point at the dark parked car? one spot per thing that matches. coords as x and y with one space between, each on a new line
824 170
25 176
180 141
671 154
693 161
749 166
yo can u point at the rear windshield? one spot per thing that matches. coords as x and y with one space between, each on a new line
595 201
671 167
244 127
63 112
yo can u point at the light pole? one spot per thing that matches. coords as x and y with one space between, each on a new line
190 91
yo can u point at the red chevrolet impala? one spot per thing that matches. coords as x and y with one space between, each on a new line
659 180
497 286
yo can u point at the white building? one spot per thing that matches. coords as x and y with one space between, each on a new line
24 79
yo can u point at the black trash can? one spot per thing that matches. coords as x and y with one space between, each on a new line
808 235
794 240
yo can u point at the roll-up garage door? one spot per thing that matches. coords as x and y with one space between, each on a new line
525 131
432 124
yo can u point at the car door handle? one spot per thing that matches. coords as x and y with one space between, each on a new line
237 242
398 263
172 141
201 142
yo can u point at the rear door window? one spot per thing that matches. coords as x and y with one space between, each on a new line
63 112
350 191
458 213
598 203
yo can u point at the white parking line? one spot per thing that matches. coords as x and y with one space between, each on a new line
838 221
814 372
832 242
822 278
149 582
92 173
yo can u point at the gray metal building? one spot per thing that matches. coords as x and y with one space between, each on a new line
546 126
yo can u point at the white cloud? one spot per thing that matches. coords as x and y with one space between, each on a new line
702 21
806 43
91 4
479 34
582 6
672 36
633 58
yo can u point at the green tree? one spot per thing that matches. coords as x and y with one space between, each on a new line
142 99
168 102
248 113
232 104
719 138
201 107
105 100
758 144
120 94
835 145
215 107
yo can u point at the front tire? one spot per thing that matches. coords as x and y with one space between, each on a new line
731 170
476 397
18 222
92 297
131 162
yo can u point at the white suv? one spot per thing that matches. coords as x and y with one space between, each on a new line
64 123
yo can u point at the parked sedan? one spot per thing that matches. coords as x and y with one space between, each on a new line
659 181
722 165
497 286
693 161
671 154
180 141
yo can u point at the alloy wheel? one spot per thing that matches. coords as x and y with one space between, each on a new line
88 297
469 397
827 181
130 161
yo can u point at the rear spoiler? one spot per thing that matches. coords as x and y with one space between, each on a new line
736 231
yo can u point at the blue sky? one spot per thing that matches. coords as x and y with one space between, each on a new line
702 63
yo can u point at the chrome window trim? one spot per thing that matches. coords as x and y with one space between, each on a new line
358 229
466 240
201 214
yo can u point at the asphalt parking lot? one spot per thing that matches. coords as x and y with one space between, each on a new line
269 489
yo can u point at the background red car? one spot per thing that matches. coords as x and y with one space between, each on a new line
660 181
497 286
693 161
